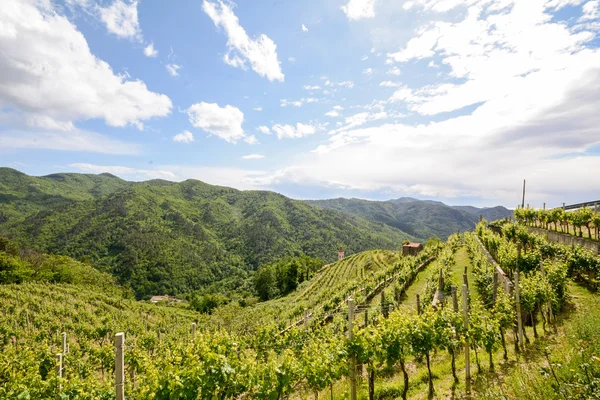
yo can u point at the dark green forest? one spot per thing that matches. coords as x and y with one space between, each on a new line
161 237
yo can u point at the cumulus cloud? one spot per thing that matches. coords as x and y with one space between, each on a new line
294 132
394 71
359 9
332 113
261 52
368 71
251 139
173 69
257 108
304 28
121 18
224 122
390 84
43 54
184 137
534 87
253 157
264 130
309 87
150 51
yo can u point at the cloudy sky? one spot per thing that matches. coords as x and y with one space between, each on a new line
455 100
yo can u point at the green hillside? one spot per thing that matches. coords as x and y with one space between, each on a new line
421 219
164 237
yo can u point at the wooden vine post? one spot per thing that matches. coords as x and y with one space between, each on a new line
465 301
352 359
454 299
305 319
64 343
495 289
550 312
518 304
194 332
59 369
418 305
120 366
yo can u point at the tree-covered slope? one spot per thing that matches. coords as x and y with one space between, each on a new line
163 237
421 219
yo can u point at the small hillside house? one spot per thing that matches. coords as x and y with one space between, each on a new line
411 249
340 254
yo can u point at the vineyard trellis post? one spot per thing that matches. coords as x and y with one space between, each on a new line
305 319
366 317
59 369
495 289
550 312
518 304
352 359
64 343
194 332
418 305
454 299
120 366
465 301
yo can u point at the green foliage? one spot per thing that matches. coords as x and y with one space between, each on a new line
282 277
172 238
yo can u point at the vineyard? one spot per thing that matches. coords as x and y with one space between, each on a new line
299 346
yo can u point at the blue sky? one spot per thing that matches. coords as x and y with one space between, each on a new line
453 100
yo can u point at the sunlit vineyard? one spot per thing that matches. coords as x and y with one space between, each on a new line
241 352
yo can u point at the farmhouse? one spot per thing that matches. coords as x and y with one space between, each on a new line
411 249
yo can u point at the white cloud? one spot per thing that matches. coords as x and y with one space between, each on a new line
184 137
121 18
298 103
264 129
173 69
125 171
44 55
292 59
261 52
394 71
332 113
348 84
390 84
253 157
257 108
304 28
368 71
359 9
591 11
338 108
251 139
74 140
365 58
309 87
150 51
534 87
225 122
294 132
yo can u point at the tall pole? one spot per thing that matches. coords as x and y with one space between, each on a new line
465 298
120 366
523 202
352 359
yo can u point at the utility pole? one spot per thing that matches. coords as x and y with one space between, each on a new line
523 202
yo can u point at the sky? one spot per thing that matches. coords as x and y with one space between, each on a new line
451 100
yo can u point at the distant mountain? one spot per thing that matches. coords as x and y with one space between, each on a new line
488 213
162 237
420 218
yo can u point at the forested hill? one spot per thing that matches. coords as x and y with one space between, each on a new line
168 238
420 218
